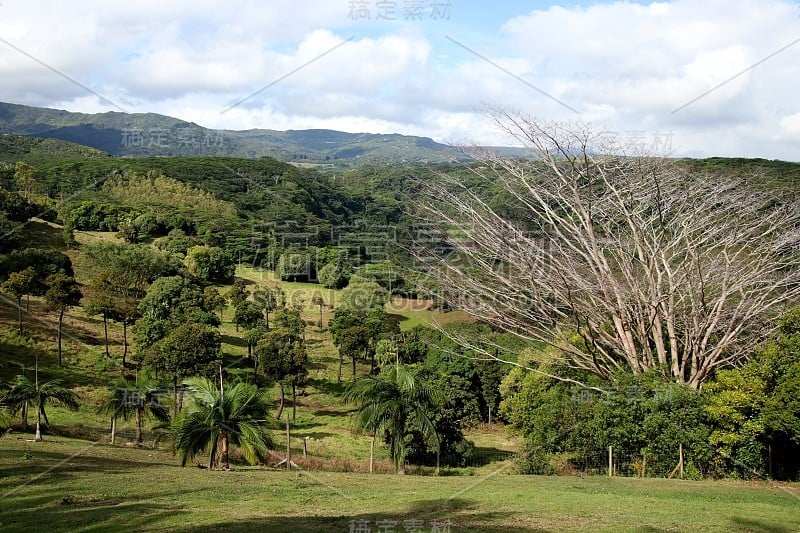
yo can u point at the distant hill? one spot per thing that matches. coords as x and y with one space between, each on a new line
150 134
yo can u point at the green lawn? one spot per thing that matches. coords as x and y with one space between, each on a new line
72 485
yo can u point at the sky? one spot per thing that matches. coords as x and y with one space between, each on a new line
684 77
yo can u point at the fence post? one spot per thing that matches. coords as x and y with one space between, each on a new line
610 461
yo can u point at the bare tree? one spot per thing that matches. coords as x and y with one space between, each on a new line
620 260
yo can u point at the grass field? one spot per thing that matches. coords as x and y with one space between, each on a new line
72 485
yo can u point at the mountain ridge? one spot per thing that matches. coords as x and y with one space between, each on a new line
152 134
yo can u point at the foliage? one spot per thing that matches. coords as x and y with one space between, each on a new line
218 418
209 264
282 356
24 391
138 398
176 242
363 296
295 266
383 273
191 349
18 285
334 275
44 263
270 298
394 403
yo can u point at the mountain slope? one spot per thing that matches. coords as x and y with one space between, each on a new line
150 134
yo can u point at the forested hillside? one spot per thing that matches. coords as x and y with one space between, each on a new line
149 134
196 276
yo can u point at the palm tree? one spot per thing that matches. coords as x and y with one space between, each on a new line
221 417
395 402
25 391
5 420
138 399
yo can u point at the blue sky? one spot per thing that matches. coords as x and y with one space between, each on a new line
677 77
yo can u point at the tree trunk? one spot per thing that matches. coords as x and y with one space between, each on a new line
770 466
113 429
372 452
249 349
60 323
288 446
139 426
294 401
124 342
28 302
339 379
105 333
25 416
354 366
225 463
38 437
174 397
280 408
266 319
19 313
320 316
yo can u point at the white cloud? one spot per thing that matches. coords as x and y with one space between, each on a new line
628 67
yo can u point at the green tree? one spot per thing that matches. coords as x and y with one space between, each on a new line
247 315
363 296
125 311
214 301
18 285
209 264
283 357
190 349
138 399
44 262
25 176
219 417
335 275
24 391
62 293
319 301
237 293
394 402
271 299
353 343
295 266
100 301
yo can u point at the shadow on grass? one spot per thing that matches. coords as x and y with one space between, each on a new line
760 527
328 387
234 341
76 512
63 464
420 516
484 455
334 413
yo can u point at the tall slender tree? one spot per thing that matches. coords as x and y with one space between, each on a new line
19 284
394 402
62 293
53 392
138 398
